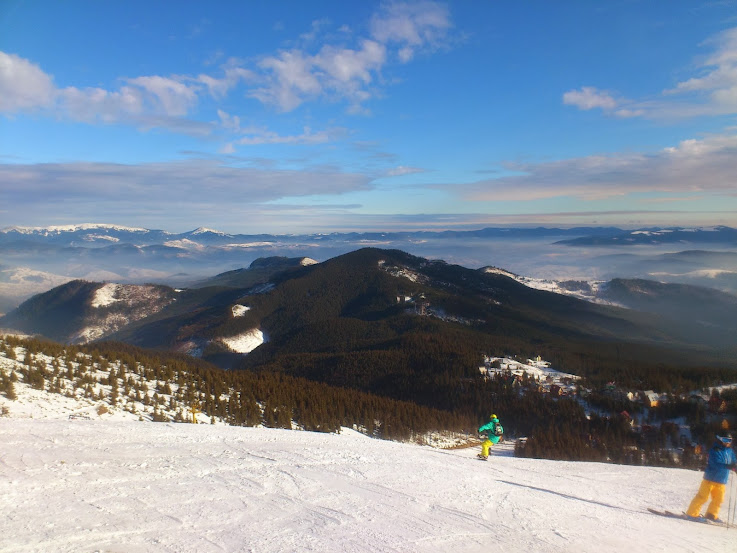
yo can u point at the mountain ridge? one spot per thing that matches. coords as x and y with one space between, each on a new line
135 256
374 300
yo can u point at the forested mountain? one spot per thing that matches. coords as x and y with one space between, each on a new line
357 300
258 272
81 311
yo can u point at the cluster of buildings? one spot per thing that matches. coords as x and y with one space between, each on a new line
538 374
532 372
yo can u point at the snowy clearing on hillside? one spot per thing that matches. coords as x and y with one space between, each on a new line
185 244
119 305
239 310
246 342
586 292
105 295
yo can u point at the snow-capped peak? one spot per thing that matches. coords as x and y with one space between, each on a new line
497 271
205 230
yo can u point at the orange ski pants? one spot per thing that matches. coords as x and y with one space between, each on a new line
708 488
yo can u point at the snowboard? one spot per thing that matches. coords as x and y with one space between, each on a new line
683 516
481 458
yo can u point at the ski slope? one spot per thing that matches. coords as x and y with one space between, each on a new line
114 486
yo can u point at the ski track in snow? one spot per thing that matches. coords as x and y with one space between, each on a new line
113 486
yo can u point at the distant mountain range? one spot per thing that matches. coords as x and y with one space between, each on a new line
97 235
34 260
649 236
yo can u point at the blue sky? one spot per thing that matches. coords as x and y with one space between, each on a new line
320 116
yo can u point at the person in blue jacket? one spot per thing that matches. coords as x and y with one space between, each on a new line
493 431
721 460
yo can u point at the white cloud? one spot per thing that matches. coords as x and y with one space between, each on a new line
413 25
233 75
172 96
256 136
336 72
588 98
403 170
227 121
342 73
23 85
291 80
703 166
147 101
158 185
92 104
294 77
719 82
343 65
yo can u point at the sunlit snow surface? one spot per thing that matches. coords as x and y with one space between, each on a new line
245 342
239 310
110 485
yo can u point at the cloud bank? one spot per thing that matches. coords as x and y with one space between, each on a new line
693 166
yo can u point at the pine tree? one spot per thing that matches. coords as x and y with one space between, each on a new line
10 390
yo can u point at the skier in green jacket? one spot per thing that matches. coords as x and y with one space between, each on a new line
493 431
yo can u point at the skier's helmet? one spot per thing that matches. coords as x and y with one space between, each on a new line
493 416
726 439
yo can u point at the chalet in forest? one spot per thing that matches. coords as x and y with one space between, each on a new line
650 398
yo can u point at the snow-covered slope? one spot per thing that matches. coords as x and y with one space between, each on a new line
120 304
114 484
585 290
150 487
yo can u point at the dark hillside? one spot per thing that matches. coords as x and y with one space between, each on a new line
53 313
260 271
340 322
703 315
69 312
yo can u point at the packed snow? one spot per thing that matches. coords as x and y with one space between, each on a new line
245 342
165 487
